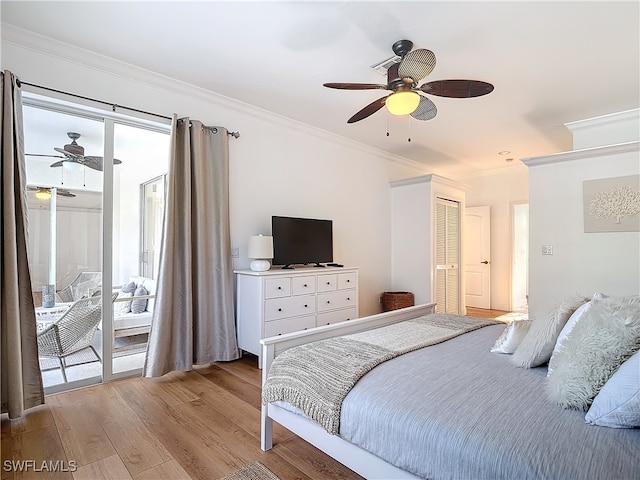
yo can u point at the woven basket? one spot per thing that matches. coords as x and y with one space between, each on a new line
396 300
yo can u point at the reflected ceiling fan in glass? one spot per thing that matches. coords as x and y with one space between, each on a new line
73 154
402 80
44 193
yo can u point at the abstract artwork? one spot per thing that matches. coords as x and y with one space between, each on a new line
612 204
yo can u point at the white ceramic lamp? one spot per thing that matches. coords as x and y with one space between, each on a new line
261 251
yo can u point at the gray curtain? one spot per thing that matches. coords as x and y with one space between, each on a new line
21 378
194 321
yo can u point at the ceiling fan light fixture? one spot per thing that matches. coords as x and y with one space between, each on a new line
403 102
43 194
72 166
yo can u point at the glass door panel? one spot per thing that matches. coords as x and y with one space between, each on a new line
64 211
138 210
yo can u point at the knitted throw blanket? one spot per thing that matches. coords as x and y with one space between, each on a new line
316 377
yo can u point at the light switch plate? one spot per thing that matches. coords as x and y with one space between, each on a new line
547 249
235 253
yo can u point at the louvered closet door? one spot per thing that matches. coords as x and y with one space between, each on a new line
447 256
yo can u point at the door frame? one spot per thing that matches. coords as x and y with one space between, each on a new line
512 254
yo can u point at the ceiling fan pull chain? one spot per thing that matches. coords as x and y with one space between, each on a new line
409 120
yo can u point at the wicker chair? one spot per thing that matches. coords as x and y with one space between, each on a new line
73 331
82 286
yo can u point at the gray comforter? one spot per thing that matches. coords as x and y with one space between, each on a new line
455 410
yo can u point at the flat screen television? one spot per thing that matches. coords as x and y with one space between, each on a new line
301 241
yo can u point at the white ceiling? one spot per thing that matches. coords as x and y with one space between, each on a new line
550 63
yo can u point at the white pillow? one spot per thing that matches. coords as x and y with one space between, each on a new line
537 346
601 341
120 308
577 315
618 403
511 336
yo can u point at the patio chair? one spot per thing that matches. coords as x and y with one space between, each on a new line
72 332
82 286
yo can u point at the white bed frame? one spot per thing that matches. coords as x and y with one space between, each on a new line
360 461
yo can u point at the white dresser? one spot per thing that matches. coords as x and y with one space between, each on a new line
281 301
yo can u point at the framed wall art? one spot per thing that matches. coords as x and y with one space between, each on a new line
612 204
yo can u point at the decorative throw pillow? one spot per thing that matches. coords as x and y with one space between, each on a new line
139 306
511 337
618 403
129 288
120 308
537 345
601 341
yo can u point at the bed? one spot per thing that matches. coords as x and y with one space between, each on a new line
464 412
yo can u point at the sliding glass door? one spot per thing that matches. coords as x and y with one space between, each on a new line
84 229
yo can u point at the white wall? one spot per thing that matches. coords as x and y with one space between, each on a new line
278 166
582 263
498 189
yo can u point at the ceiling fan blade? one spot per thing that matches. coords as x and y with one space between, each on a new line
426 110
65 193
43 155
417 64
370 109
356 86
457 88
67 154
57 164
93 162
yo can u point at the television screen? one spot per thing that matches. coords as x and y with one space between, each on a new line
301 240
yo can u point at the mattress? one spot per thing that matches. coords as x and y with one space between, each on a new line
456 411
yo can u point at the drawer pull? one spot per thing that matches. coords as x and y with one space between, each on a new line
306 306
348 280
328 301
279 309
348 298
279 288
305 285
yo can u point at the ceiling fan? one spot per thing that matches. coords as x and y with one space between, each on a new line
45 192
402 80
74 154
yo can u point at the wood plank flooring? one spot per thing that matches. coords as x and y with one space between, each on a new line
202 424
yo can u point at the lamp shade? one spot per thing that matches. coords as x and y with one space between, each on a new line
402 102
261 250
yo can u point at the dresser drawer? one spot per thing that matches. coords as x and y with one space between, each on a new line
337 299
335 316
277 308
303 285
347 280
277 287
288 325
327 283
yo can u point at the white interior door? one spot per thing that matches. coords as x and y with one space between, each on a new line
477 257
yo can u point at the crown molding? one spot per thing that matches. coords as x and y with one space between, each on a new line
109 66
619 148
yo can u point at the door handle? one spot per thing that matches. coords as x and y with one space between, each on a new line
486 262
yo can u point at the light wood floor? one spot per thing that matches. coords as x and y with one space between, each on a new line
202 424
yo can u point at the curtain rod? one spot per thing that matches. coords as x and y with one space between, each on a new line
112 105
